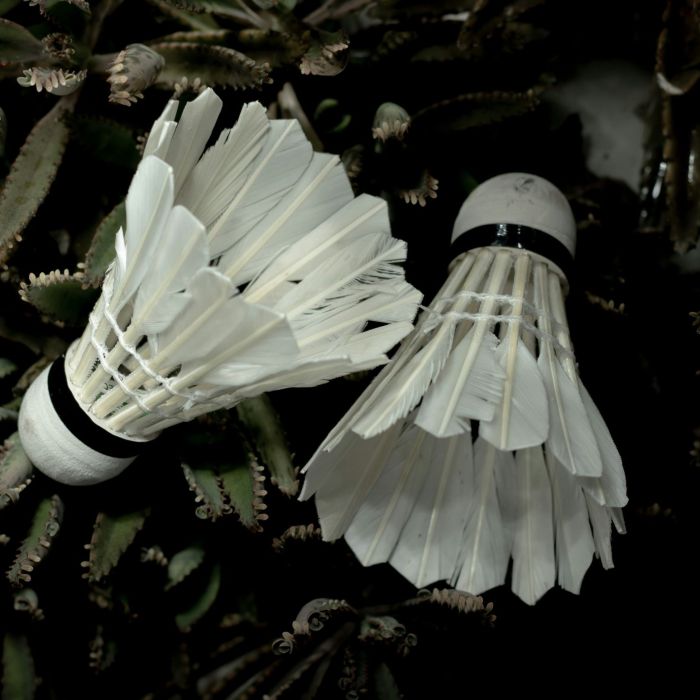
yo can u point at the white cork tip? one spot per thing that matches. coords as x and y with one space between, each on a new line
53 449
522 199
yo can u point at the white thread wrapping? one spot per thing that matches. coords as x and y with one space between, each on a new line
456 316
191 398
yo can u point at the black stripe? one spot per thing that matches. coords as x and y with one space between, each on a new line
515 236
79 423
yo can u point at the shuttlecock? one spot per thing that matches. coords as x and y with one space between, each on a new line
244 268
403 478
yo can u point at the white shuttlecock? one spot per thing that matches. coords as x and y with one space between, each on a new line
244 268
403 478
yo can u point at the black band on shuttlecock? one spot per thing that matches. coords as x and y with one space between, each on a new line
515 236
80 424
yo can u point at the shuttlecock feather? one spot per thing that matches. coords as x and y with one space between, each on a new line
540 480
246 267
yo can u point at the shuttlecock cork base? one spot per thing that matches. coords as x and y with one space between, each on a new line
61 437
521 211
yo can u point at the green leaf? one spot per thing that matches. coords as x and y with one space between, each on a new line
32 174
224 474
242 483
263 425
107 141
197 36
214 65
44 528
18 677
205 484
7 367
101 251
172 8
275 48
59 296
385 684
225 8
17 45
111 537
204 601
15 470
183 563
475 109
7 5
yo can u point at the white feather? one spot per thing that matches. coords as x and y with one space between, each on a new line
522 419
386 377
307 374
356 468
483 560
383 307
600 522
408 385
161 132
574 541
571 437
469 387
160 297
363 216
371 344
612 481
193 131
351 273
279 168
320 191
429 544
534 565
148 205
222 171
377 526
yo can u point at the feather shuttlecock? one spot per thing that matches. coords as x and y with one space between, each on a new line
404 478
243 268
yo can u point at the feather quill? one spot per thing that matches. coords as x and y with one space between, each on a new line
469 387
521 419
363 216
380 520
485 550
571 438
284 158
534 565
355 471
160 297
429 544
320 191
612 481
574 541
